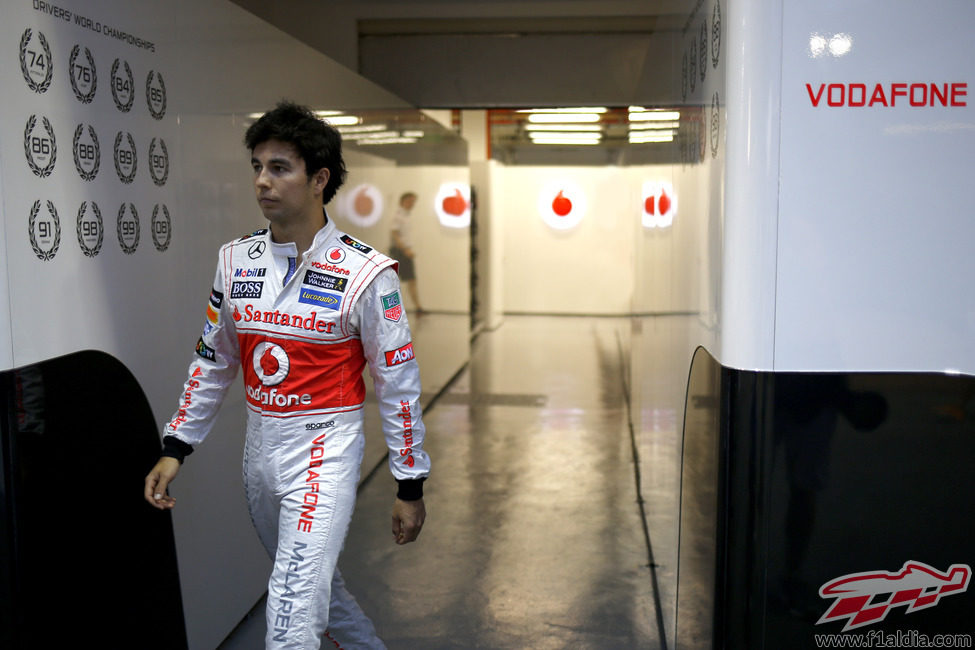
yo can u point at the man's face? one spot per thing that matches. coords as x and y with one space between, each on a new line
284 191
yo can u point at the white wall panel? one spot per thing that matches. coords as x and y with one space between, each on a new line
145 306
875 227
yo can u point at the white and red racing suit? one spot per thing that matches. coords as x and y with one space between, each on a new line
303 328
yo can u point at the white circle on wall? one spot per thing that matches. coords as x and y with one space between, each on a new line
364 205
453 205
658 204
562 204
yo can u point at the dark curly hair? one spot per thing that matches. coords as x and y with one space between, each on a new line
318 143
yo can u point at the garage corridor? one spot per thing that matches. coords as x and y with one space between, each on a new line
535 536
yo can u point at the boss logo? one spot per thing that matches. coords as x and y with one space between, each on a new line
40 146
127 228
90 229
125 157
156 94
162 227
246 289
123 91
158 161
84 81
87 153
35 61
45 231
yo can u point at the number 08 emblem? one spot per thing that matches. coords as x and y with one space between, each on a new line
271 363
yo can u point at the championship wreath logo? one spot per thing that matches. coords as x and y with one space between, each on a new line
45 232
36 64
84 80
41 150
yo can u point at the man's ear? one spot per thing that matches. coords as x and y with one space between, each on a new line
320 179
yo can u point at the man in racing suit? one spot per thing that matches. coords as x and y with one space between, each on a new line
302 326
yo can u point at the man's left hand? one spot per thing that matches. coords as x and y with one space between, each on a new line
408 519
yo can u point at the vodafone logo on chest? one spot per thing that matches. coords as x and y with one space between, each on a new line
271 366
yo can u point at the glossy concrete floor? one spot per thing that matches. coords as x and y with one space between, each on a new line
535 537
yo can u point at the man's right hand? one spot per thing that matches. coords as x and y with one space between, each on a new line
158 480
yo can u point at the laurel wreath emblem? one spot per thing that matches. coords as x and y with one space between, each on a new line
83 97
128 250
715 124
122 176
715 34
162 87
42 254
86 175
164 243
160 181
126 106
90 251
45 83
46 170
704 49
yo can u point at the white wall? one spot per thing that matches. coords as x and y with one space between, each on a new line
875 225
145 307
442 260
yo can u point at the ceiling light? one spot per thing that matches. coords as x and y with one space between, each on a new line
655 116
343 120
588 128
555 118
654 125
362 128
578 109
651 136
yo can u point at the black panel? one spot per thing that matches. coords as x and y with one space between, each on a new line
818 477
83 555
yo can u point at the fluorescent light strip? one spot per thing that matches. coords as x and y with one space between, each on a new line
643 126
343 120
657 116
578 109
563 127
388 141
641 138
555 118
364 128
373 136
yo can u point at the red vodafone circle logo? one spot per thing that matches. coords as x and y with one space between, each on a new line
561 204
658 204
271 363
363 205
453 205
335 255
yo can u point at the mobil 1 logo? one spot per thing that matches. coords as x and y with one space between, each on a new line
87 153
44 228
158 161
40 146
125 157
123 85
127 228
35 60
84 80
90 228
162 227
156 94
